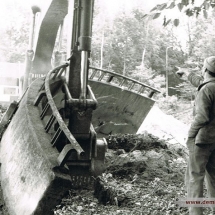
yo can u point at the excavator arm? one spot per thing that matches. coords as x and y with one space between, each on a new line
55 113
67 84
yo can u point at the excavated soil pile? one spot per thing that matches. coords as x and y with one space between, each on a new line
144 159
144 175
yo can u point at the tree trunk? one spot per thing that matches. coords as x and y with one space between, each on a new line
190 48
102 49
146 40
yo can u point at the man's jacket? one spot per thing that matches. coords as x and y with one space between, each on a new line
203 125
194 79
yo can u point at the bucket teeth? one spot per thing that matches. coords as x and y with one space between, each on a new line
80 181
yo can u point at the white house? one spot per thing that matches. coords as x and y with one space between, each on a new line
10 81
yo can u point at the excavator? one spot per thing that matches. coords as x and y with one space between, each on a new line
53 137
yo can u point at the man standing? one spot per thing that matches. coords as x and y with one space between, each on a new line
201 137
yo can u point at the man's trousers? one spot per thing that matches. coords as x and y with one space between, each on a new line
200 166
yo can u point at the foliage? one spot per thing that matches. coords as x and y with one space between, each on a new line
136 47
189 7
186 90
130 43
172 103
198 45
202 46
14 33
131 142
123 43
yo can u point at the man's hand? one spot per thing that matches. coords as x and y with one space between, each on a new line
182 71
185 71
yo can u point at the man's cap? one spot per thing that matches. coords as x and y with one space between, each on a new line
209 64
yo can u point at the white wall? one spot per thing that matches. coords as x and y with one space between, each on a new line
9 87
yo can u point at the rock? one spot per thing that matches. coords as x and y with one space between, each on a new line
120 151
145 174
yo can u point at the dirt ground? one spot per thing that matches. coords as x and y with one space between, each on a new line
144 175
147 180
143 180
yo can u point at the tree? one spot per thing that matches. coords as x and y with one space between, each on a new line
122 43
189 7
126 43
14 32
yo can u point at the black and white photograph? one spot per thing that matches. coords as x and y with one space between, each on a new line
107 107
